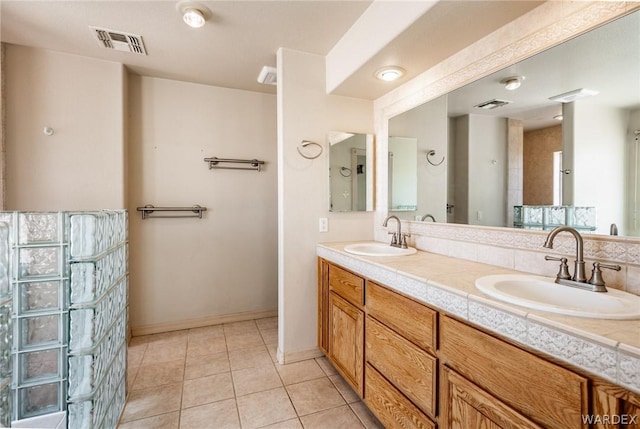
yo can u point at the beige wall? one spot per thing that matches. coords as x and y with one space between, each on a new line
537 161
81 166
306 112
3 154
196 269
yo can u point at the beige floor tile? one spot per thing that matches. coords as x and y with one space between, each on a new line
270 336
240 327
299 371
136 353
203 390
340 417
135 341
159 374
164 352
366 417
206 331
289 424
221 414
163 421
345 390
169 337
267 323
326 366
314 395
273 352
152 401
206 346
265 408
252 380
249 358
132 371
202 366
243 340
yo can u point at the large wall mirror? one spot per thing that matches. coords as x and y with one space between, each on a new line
350 172
550 140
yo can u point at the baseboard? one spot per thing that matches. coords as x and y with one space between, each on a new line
158 328
291 357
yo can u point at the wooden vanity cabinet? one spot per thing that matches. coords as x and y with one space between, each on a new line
527 385
400 346
341 322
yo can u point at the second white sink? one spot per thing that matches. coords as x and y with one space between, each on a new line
377 249
541 293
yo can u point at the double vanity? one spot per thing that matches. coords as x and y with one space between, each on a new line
432 341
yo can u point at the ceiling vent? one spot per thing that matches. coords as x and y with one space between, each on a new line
492 104
268 75
119 41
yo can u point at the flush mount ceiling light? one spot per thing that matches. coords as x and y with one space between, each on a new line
193 14
389 74
574 95
512 82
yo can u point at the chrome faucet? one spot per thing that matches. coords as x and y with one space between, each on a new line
398 239
433 219
579 279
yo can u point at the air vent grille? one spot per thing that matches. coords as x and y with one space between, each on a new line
268 76
119 41
492 104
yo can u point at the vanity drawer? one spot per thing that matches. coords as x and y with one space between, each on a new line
390 406
409 368
552 396
348 285
414 321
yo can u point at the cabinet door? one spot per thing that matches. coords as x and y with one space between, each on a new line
466 406
346 339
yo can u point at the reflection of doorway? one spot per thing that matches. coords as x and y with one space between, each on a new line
358 180
558 175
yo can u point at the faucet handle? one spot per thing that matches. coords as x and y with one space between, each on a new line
403 241
563 273
394 238
596 274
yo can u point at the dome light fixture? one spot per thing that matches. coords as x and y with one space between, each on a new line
512 82
195 15
389 74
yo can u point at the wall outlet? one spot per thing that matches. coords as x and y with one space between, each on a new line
323 224
479 214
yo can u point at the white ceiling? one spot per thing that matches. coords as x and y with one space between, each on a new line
243 36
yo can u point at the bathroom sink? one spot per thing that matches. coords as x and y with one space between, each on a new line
377 249
541 293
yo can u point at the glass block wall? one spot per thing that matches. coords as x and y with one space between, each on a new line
6 405
68 272
549 217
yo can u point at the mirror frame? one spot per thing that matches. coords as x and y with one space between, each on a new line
546 26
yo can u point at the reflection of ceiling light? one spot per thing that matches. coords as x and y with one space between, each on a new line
193 14
558 117
574 95
492 104
512 82
193 18
389 74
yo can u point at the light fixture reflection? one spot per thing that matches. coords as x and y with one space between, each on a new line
193 18
389 74
512 82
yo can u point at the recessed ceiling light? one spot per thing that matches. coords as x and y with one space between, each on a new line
193 14
512 82
389 74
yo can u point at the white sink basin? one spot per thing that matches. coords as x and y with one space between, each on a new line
377 249
541 293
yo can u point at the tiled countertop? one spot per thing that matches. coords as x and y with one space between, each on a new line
607 348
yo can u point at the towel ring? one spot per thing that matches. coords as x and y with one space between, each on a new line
306 143
432 153
346 172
